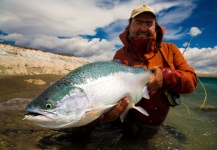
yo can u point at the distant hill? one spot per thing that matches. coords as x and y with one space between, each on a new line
16 60
207 75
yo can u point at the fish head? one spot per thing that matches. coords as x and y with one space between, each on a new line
57 108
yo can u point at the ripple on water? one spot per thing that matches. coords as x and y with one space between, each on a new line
15 104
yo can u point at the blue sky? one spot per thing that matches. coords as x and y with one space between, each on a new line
91 28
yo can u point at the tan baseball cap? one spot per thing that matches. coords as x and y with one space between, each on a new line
141 9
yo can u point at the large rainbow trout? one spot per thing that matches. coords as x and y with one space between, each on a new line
86 93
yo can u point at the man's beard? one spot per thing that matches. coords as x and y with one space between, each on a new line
143 35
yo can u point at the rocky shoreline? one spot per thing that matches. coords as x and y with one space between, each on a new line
17 60
25 72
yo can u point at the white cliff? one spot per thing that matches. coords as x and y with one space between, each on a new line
16 60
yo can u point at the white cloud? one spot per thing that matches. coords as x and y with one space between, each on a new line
186 44
65 18
203 60
75 46
174 33
37 24
194 31
72 18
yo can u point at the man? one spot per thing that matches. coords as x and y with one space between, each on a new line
143 46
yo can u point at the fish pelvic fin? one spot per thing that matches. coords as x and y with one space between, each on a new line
139 108
142 110
146 92
123 115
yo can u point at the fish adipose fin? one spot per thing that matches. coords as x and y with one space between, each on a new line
146 92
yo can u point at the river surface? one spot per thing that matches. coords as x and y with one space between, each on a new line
184 128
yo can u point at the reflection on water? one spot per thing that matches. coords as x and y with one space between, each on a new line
15 104
180 131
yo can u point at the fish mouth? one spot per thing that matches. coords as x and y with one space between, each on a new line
42 120
36 118
32 114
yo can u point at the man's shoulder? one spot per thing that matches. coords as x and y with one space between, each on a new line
120 53
168 45
121 50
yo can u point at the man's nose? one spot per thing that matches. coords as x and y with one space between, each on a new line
144 27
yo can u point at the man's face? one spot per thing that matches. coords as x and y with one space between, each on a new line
142 26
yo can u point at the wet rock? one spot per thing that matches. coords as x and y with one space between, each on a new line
208 108
36 81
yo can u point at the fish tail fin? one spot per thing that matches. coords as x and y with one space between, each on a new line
142 110
146 92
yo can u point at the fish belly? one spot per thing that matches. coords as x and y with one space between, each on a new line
105 92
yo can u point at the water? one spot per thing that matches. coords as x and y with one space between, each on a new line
198 125
183 129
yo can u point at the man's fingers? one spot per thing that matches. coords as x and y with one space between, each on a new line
123 104
116 111
156 80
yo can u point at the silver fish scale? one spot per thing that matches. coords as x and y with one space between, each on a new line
97 70
87 92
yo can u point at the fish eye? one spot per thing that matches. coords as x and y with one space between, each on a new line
48 106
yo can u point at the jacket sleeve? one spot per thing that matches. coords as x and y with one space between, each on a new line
180 78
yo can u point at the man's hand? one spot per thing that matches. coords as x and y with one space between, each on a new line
156 80
116 111
153 85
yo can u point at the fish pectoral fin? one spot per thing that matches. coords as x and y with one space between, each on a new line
146 92
142 110
95 113
88 117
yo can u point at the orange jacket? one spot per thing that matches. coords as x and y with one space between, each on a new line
178 76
